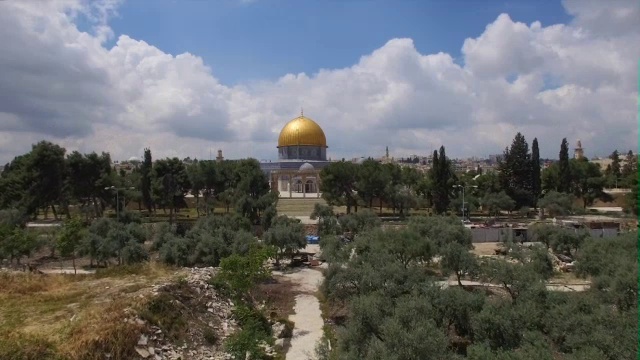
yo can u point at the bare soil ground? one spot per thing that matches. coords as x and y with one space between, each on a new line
483 249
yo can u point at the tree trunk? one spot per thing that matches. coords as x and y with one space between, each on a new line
96 208
458 276
198 205
55 213
74 264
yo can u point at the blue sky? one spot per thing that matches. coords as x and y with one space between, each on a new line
413 92
265 39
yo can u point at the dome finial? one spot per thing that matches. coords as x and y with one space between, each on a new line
301 111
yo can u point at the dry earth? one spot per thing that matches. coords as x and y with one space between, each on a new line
149 311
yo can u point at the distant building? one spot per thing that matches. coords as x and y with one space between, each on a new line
578 152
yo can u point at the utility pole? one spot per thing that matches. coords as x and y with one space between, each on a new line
118 198
463 202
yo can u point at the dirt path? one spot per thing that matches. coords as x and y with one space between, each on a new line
307 318
550 287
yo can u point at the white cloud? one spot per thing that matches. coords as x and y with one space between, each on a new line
577 80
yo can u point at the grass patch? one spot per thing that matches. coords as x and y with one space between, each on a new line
103 332
151 270
59 316
19 346
28 283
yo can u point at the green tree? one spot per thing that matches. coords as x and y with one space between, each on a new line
496 202
556 203
458 260
327 220
587 182
535 172
197 181
441 177
89 174
286 235
338 184
146 180
632 199
171 183
241 273
630 168
371 181
543 233
615 170
564 170
515 170
69 239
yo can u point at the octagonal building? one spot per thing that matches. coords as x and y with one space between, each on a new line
302 153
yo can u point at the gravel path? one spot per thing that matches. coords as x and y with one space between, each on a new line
307 318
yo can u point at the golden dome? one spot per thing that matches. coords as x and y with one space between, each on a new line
302 131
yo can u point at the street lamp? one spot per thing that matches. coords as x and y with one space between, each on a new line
464 187
117 198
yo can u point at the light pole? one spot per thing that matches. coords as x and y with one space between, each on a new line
117 198
463 188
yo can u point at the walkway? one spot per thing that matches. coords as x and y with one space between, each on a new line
308 317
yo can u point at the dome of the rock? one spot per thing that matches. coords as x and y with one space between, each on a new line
302 131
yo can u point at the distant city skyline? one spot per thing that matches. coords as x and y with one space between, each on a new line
185 77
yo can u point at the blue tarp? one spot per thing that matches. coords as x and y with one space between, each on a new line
312 239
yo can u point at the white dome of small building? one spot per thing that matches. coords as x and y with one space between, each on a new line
133 158
307 167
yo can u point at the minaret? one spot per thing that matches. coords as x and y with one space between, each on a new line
578 152
219 158
387 152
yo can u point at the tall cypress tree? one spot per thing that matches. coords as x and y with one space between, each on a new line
564 175
515 172
145 180
536 179
439 175
615 164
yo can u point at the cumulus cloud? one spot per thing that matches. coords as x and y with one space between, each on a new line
576 80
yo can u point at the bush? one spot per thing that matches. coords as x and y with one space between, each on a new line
210 336
133 253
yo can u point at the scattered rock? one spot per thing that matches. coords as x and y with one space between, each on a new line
208 308
142 352
143 340
278 330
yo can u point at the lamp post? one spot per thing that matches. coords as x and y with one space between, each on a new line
117 198
463 187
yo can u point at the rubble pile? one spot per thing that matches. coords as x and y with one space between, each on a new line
311 229
561 263
208 318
